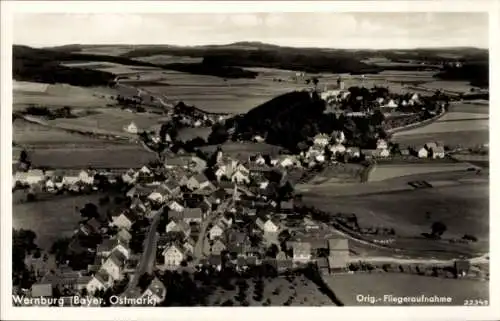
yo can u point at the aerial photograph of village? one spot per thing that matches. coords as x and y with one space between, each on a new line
267 159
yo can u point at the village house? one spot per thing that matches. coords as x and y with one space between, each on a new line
188 246
217 247
173 256
382 144
123 236
321 140
85 177
337 149
259 160
131 128
197 164
353 152
123 219
156 291
178 227
114 265
271 226
438 152
422 152
199 181
462 267
100 281
108 246
301 252
129 176
31 177
175 206
240 177
215 232
391 104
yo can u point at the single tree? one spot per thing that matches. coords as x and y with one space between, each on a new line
438 228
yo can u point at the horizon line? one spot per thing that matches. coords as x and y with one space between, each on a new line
255 43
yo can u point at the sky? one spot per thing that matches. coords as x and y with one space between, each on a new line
314 29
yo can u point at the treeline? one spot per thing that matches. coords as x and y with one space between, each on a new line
477 73
211 70
44 66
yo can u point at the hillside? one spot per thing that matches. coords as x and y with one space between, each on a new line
286 120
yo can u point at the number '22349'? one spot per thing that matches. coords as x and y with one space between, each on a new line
476 302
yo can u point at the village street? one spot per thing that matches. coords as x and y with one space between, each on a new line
148 256
198 248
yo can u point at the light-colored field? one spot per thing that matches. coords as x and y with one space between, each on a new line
465 125
168 59
451 86
26 133
111 156
347 287
463 208
299 292
50 219
387 171
115 50
108 121
59 95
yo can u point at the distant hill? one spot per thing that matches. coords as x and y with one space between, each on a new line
286 120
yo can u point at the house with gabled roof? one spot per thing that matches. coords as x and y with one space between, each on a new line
271 226
123 236
188 246
301 252
175 206
321 140
178 227
215 231
173 255
124 219
240 177
100 281
198 181
156 291
217 247
114 265
108 246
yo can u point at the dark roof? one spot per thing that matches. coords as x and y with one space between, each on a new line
41 289
215 259
102 276
287 205
193 213
107 245
118 258
322 262
200 178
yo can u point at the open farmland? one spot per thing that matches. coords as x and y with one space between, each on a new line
464 125
30 134
299 291
111 156
50 219
346 287
382 172
168 59
464 208
60 95
110 121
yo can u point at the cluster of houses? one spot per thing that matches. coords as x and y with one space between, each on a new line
54 180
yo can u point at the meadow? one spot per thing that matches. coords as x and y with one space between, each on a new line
101 156
59 95
382 172
50 219
30 134
464 125
346 287
110 121
464 208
